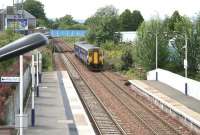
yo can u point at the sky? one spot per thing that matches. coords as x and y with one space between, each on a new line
82 9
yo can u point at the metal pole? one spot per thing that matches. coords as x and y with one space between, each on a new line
156 51
156 55
186 65
37 74
33 92
186 49
21 95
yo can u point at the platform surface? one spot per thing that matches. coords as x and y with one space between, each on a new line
49 109
54 111
186 105
188 101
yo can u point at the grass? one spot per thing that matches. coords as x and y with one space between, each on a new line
47 58
5 38
112 56
72 40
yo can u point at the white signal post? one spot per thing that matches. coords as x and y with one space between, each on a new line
37 74
21 95
33 92
186 63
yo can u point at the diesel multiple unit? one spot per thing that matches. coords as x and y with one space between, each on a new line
91 55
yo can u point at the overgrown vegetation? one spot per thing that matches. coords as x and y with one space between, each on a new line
5 38
7 68
141 56
122 58
106 22
72 40
47 58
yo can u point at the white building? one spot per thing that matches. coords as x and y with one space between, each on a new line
20 19
128 36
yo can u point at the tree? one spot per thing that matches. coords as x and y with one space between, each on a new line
185 27
67 20
130 21
146 44
137 19
36 8
175 18
103 24
127 59
126 21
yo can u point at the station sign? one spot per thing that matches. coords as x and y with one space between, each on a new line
10 80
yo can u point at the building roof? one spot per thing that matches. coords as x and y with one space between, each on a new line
27 14
19 12
1 11
86 46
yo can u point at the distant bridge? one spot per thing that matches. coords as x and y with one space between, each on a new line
68 33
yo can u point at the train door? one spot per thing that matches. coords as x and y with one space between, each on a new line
95 57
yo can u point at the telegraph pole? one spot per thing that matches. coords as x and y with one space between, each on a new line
186 63
156 55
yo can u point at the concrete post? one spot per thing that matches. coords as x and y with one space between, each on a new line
37 73
21 95
33 92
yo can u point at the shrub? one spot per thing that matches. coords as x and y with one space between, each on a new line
127 59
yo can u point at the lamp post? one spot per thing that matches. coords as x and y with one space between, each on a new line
186 62
186 57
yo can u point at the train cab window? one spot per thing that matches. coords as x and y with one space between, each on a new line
90 54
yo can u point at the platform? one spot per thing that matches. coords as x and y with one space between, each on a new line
185 108
58 108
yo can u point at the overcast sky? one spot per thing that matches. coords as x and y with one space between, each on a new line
82 9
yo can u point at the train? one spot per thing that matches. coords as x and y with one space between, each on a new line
90 55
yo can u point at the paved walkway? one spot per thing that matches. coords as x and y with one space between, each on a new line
188 101
185 107
50 111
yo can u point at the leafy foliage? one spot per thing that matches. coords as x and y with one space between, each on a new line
130 21
146 44
127 59
103 24
36 8
137 19
126 21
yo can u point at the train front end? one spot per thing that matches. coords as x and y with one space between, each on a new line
95 59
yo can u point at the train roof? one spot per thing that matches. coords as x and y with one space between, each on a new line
86 46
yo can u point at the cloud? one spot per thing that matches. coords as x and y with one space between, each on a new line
82 9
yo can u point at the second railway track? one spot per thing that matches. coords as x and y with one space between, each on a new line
102 119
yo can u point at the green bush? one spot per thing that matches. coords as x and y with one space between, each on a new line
127 59
5 38
47 57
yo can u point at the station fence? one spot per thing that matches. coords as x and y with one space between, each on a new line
12 104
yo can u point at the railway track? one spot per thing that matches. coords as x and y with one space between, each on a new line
153 122
133 115
102 119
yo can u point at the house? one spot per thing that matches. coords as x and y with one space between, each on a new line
128 36
20 20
